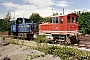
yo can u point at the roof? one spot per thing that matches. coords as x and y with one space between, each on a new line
13 19
63 15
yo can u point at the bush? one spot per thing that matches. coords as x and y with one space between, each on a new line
41 39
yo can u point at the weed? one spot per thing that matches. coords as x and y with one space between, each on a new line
41 39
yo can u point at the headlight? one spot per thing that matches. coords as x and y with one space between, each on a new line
19 26
27 25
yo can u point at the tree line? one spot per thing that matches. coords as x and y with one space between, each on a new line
83 21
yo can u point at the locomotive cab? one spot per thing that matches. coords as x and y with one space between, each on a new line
67 23
62 28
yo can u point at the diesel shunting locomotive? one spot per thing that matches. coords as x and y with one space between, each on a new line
22 27
62 28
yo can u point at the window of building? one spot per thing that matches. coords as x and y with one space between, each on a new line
61 20
76 20
54 19
68 19
73 20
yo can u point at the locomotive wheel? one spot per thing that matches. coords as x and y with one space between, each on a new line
68 40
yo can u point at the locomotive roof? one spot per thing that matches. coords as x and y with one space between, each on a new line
63 15
16 19
13 19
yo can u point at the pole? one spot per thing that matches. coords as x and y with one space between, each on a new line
52 11
14 14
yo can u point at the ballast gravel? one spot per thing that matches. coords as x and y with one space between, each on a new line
18 52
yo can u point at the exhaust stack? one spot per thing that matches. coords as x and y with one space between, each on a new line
63 11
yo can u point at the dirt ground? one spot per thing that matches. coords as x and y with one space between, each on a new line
19 52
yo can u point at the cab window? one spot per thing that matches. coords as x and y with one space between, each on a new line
73 20
13 22
76 20
27 21
54 19
61 20
68 19
19 21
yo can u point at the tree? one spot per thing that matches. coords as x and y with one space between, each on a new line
1 24
47 19
36 18
55 13
84 22
6 23
8 16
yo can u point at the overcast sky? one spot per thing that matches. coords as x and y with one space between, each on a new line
24 8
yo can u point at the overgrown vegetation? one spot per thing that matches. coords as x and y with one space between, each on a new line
65 53
41 39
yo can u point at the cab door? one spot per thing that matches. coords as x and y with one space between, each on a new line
13 26
55 24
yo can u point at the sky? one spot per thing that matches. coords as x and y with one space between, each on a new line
24 8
